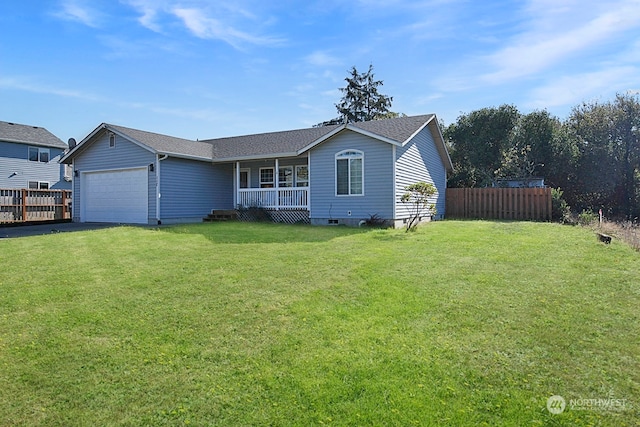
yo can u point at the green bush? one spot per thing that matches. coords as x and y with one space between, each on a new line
560 209
587 217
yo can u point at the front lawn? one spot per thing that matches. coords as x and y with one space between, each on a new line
225 324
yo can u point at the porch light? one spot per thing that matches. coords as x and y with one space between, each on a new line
151 167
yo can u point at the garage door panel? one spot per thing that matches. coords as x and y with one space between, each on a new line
116 196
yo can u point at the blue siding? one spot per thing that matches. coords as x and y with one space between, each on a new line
14 158
98 156
419 161
255 166
378 180
191 189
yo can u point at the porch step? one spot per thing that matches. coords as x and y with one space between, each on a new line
221 215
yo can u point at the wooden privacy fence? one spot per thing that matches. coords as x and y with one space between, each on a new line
22 205
499 203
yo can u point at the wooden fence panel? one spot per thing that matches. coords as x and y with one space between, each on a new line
499 203
25 205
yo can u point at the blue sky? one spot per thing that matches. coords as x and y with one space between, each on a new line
208 69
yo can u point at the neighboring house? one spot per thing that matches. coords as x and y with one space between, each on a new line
339 174
534 182
29 158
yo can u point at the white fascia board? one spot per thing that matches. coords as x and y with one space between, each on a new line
184 156
322 138
256 157
128 138
81 144
88 138
373 135
424 125
449 165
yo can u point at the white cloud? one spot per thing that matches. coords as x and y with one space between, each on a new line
205 27
77 11
24 84
570 90
322 59
556 32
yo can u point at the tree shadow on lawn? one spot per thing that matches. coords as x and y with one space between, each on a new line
263 232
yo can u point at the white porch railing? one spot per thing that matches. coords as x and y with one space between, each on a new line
272 198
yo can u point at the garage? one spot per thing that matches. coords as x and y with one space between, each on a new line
116 196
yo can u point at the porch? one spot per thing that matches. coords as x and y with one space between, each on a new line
274 198
273 184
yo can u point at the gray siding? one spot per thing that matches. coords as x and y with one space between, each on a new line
14 157
419 161
191 189
378 180
98 156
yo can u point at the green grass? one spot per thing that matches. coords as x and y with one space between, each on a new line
459 323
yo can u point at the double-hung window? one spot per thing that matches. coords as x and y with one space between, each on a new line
302 176
38 185
285 176
349 173
37 154
266 178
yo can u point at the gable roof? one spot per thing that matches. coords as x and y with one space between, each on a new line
153 142
32 135
397 131
163 144
295 142
272 144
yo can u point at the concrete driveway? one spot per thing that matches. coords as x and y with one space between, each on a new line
49 228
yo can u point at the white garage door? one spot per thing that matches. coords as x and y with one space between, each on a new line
115 196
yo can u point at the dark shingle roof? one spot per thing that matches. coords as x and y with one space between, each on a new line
33 135
165 144
266 144
273 144
292 141
399 129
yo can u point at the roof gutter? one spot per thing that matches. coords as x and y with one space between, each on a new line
256 157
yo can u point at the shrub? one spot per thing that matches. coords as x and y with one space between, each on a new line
587 217
560 209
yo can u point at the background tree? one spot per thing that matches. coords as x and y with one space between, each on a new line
361 100
607 137
478 143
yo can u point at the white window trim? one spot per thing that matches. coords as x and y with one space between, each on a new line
297 180
348 154
39 184
40 151
112 140
286 182
273 182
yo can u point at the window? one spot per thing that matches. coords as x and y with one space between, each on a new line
285 176
68 172
38 185
349 173
112 140
266 178
302 176
37 154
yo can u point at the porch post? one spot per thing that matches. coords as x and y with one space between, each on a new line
237 185
276 178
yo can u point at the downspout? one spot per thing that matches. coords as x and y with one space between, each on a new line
236 201
395 182
159 159
276 178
